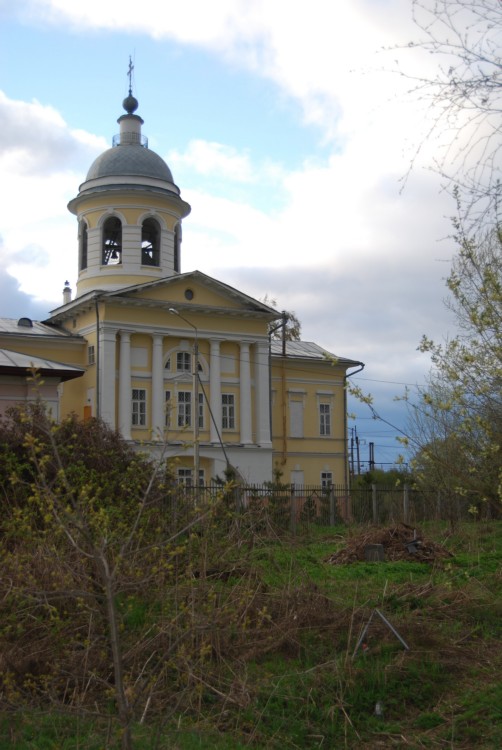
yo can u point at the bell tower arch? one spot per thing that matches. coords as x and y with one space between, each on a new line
129 213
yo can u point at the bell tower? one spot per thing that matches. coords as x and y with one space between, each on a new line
129 213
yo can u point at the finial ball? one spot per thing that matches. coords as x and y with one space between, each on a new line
130 104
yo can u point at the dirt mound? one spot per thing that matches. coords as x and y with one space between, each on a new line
400 542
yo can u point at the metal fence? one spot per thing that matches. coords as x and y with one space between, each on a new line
295 508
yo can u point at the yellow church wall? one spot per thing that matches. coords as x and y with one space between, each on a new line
64 351
309 452
202 296
132 210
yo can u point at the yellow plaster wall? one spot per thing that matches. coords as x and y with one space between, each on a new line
312 453
131 208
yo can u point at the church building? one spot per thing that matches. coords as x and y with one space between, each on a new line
178 362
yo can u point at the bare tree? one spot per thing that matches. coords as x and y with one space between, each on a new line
465 96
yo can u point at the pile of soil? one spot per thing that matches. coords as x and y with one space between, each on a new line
400 542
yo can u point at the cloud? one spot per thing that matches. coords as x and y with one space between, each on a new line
334 239
41 161
14 303
214 159
36 141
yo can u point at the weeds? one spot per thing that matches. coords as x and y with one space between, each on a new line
230 637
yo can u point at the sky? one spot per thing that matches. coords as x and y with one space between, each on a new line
289 132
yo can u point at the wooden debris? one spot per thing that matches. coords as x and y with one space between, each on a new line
400 542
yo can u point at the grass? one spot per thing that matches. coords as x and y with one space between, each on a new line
308 689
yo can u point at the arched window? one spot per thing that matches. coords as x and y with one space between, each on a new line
112 242
150 243
177 247
83 245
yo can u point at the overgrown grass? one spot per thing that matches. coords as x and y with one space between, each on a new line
293 679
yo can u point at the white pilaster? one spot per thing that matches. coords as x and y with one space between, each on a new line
245 395
262 394
107 376
125 391
215 390
158 400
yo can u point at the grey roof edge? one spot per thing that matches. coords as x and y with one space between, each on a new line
19 363
311 351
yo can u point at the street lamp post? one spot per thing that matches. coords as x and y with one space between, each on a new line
195 364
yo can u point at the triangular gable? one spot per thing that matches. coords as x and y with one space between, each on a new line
208 293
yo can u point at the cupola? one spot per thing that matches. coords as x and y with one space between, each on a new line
129 213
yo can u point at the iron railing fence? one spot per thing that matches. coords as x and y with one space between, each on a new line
295 508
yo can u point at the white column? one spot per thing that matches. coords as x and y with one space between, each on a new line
158 420
245 395
262 395
125 390
215 390
107 377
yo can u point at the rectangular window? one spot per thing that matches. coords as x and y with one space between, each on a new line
326 479
185 476
296 419
325 419
201 411
168 407
183 362
91 354
184 408
139 407
228 411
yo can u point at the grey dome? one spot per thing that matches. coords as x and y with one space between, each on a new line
132 160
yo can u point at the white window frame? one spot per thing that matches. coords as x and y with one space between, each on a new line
184 409
185 476
201 411
168 408
296 412
228 411
325 418
326 479
183 361
91 354
138 411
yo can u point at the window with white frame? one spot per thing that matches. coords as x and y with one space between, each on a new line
185 476
228 411
326 479
139 407
296 417
184 408
201 411
168 407
183 363
91 354
324 418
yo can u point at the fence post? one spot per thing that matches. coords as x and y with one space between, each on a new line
406 504
331 505
374 502
292 517
347 503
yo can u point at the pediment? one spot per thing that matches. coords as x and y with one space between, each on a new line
195 291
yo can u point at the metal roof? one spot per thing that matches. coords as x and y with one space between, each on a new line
28 327
16 363
308 350
127 161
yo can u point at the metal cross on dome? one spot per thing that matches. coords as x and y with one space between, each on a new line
129 73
